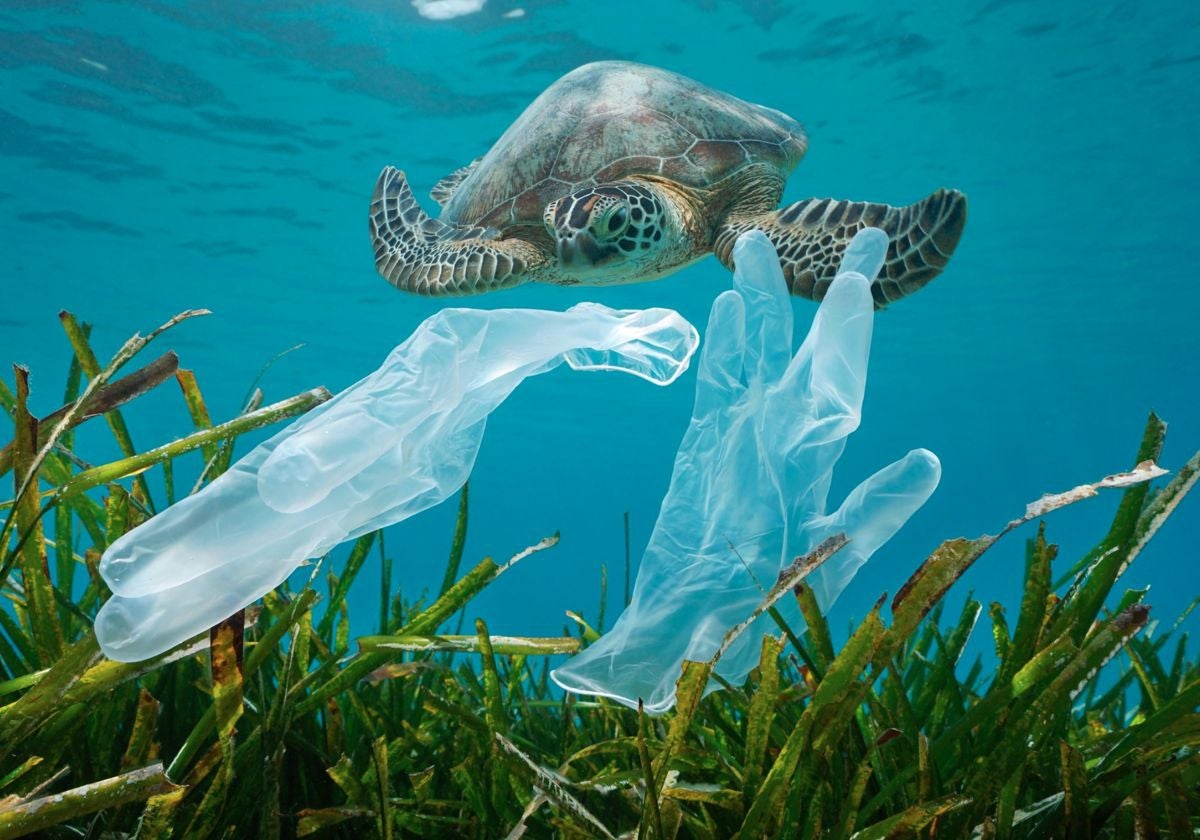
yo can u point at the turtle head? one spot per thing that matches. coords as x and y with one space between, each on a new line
609 233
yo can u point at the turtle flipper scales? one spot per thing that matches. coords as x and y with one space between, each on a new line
420 254
811 235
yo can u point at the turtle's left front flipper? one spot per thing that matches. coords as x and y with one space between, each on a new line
811 235
417 253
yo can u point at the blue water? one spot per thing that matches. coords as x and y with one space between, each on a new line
159 156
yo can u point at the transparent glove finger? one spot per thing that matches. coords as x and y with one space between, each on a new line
840 365
654 344
865 253
832 362
870 516
719 376
835 352
224 525
818 403
130 629
759 280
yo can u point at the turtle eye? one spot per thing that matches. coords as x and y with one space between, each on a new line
610 223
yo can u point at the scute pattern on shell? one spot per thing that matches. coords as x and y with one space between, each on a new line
610 120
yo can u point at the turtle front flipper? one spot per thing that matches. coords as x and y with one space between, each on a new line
416 253
811 235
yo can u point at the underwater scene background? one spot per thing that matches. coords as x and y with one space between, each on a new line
156 157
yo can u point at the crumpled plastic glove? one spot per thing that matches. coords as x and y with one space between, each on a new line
748 492
399 441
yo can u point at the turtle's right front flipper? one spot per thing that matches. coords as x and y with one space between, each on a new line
811 235
416 253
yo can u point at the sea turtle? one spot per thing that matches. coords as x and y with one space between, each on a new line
620 172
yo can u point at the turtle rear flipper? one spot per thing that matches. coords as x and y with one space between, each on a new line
420 254
811 235
444 189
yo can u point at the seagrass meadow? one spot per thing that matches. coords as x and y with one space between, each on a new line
1083 723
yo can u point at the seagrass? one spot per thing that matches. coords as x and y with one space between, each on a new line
1082 721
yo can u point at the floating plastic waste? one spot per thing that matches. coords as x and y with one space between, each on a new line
395 443
748 492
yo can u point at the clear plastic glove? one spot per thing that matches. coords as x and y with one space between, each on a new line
748 493
392 445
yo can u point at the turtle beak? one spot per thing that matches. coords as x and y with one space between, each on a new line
579 249
574 248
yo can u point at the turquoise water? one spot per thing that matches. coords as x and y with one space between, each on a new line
161 156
